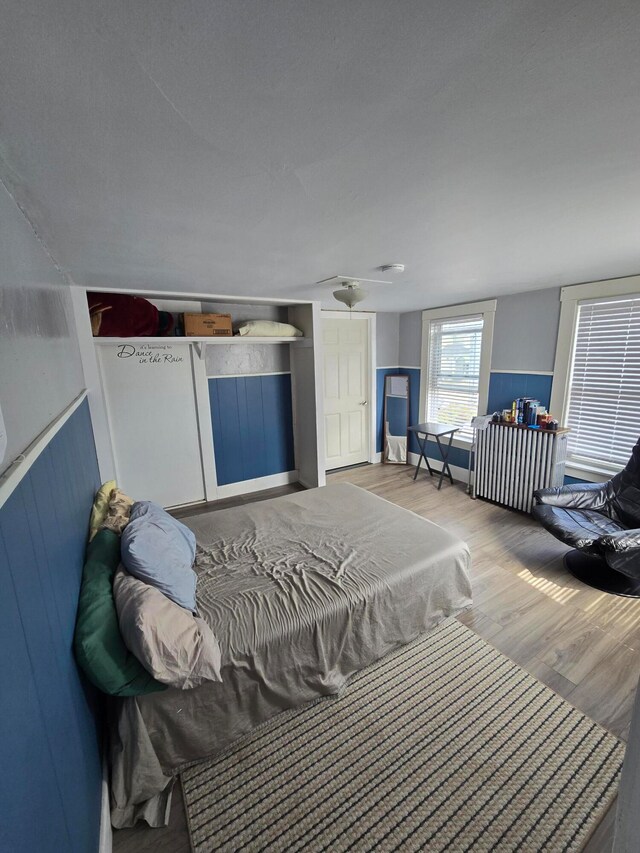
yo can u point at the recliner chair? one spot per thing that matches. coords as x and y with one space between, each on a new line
602 522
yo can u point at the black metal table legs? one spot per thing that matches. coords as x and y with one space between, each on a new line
444 454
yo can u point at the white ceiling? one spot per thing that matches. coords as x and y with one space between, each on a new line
256 146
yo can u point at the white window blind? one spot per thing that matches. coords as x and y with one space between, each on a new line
604 388
454 371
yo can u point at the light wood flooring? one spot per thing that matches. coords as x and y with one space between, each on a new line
582 643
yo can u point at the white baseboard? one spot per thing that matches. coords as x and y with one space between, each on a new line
257 485
106 834
461 474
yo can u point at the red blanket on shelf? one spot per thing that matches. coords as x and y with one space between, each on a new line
123 316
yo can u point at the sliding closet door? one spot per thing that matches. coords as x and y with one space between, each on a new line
151 404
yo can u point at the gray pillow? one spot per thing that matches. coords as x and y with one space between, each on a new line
160 551
175 646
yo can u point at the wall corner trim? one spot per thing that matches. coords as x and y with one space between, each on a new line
20 466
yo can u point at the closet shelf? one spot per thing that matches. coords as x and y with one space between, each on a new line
174 339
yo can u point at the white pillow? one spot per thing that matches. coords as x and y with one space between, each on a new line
175 646
267 329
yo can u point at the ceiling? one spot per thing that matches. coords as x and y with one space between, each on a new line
253 147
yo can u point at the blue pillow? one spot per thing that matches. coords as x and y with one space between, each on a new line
160 551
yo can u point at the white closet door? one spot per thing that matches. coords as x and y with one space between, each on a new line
151 405
346 391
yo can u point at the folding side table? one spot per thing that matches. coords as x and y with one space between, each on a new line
438 431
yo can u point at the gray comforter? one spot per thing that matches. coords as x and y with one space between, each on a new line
301 591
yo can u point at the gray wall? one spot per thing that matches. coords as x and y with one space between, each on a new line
387 335
40 371
524 337
526 330
410 339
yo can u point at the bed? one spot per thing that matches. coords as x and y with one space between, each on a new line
301 591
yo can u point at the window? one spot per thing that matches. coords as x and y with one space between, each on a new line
596 376
456 352
603 402
454 371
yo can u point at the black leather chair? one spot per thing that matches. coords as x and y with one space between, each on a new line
602 522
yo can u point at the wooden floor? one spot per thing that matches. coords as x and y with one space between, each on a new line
582 643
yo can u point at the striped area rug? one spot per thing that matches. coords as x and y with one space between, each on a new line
444 745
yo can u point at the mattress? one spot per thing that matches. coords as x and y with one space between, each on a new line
301 591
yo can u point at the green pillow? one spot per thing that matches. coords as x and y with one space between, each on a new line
98 644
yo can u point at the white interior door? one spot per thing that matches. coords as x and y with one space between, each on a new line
346 391
151 405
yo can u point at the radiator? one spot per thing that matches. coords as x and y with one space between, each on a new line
512 462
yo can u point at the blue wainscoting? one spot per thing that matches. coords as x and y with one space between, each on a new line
252 420
51 778
504 388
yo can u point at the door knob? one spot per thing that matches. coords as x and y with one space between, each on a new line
364 403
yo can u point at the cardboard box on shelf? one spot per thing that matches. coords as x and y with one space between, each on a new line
207 325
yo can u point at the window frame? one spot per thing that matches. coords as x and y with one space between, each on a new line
487 308
570 298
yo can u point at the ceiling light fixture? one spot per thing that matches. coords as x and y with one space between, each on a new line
350 293
392 268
